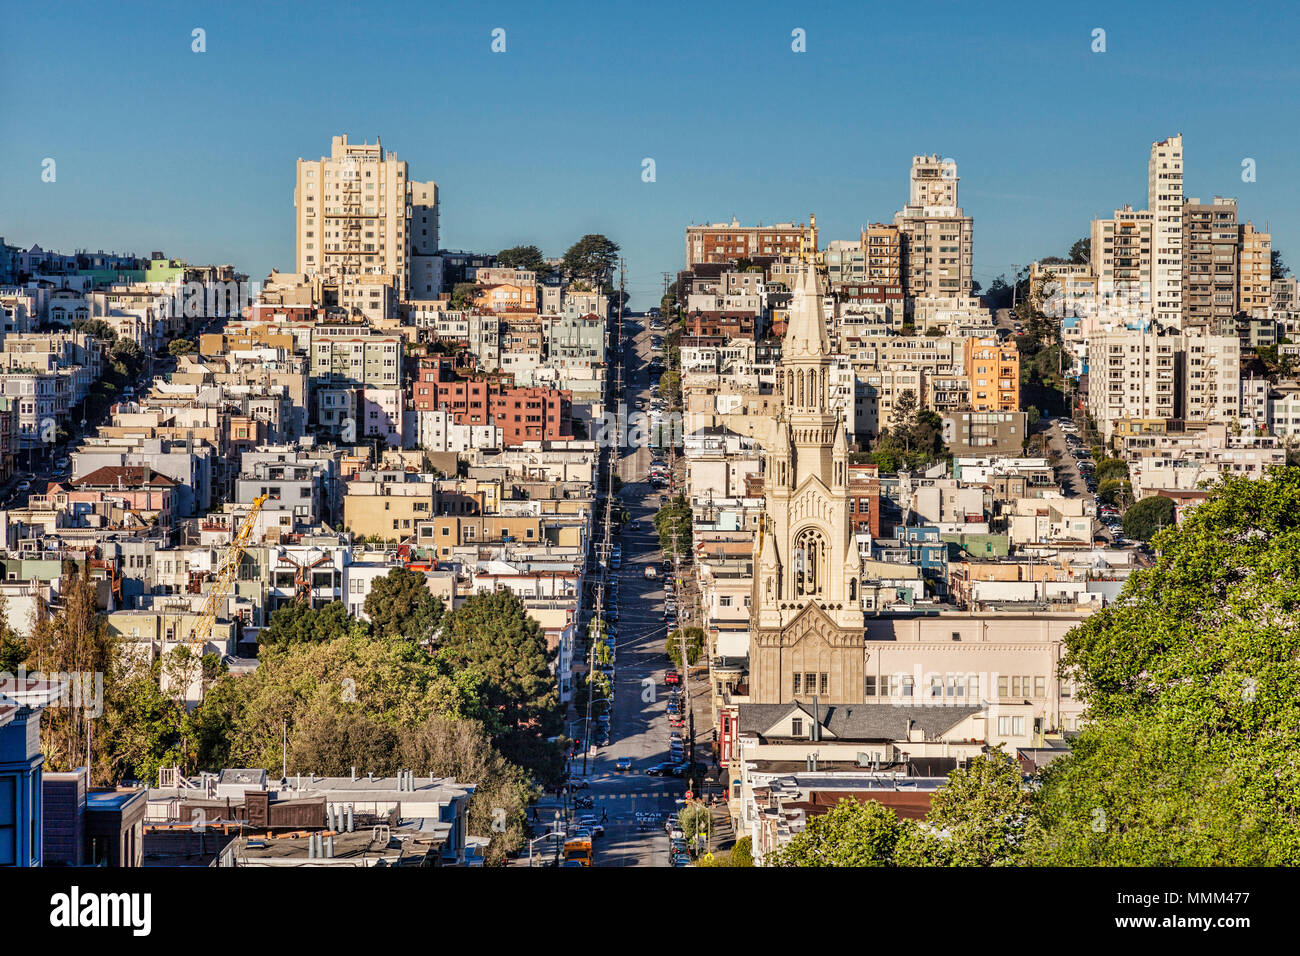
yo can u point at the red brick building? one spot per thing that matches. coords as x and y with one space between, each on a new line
864 498
522 414
731 325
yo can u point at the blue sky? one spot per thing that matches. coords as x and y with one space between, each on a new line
158 147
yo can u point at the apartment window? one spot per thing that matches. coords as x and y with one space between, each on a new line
1003 687
797 683
724 601
869 686
825 683
796 727
1040 686
908 685
936 686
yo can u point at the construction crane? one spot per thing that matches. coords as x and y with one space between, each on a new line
225 576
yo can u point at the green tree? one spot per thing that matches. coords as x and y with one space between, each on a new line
462 294
492 636
331 742
400 606
1147 517
592 258
295 623
742 854
1193 698
525 257
463 749
178 347
670 388
694 645
1117 492
983 813
141 727
13 646
1110 468
668 302
849 834
1277 268
673 522
1081 251
70 638
242 718
695 820
902 418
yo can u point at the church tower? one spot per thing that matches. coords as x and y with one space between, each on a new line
807 625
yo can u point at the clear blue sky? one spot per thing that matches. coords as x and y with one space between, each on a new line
161 148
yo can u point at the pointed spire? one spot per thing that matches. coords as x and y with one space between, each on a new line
841 448
805 333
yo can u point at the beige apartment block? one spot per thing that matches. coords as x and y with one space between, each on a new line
1122 253
1211 378
1255 270
355 356
1064 288
1132 374
1165 200
358 212
937 238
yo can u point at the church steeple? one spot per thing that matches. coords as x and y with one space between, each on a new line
805 332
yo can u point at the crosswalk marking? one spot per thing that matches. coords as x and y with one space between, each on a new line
653 794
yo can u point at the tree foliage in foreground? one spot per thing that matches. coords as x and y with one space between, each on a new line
1191 752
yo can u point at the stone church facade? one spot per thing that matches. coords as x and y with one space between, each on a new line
807 626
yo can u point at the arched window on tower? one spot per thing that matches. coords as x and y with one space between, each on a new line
810 563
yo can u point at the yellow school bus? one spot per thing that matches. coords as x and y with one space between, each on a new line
579 850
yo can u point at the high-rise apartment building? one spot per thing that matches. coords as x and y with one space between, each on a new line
1165 202
1209 263
1211 378
883 245
937 239
1122 251
358 212
1132 374
1255 267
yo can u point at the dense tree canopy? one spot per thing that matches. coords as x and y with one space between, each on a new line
591 258
525 257
400 605
295 623
492 634
1144 519
1191 754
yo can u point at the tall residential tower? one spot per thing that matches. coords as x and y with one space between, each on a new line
358 213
